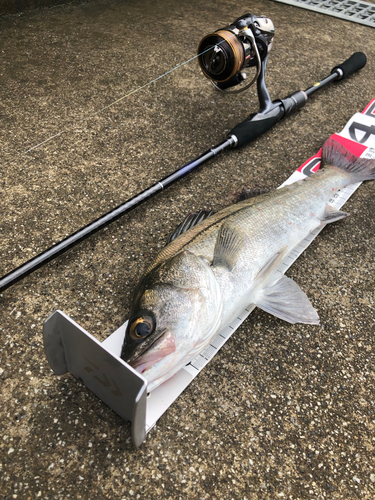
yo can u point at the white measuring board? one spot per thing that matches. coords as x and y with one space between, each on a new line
70 348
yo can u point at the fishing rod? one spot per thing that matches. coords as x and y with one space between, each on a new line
224 56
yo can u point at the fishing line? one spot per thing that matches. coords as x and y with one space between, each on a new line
138 89
270 113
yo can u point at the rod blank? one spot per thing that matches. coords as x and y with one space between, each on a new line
249 130
39 260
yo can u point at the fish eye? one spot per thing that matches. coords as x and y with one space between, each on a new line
142 327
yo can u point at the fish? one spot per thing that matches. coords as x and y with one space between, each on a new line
207 275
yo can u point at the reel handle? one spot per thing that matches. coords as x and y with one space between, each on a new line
355 62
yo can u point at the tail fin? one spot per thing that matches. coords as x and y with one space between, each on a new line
336 155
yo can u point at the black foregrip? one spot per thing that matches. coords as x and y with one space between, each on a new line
354 63
256 125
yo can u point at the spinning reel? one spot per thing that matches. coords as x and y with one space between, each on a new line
224 55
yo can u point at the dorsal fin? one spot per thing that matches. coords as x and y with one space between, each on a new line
247 193
190 221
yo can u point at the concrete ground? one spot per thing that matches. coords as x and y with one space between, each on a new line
20 6
282 411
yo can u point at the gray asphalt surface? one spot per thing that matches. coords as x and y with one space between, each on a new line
282 411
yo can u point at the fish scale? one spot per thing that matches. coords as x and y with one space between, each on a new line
273 226
280 212
201 239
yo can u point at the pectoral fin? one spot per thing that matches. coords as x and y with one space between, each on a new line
285 300
228 246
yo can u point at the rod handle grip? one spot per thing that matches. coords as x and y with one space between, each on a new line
256 125
259 123
355 62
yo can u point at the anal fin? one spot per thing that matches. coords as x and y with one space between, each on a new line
285 300
331 214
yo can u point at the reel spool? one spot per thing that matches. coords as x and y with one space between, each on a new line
224 55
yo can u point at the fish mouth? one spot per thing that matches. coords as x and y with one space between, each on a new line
141 348
161 347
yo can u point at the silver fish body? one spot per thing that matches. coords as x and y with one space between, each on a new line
207 276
